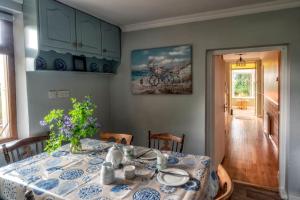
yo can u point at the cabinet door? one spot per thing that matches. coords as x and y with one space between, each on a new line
110 41
88 33
57 25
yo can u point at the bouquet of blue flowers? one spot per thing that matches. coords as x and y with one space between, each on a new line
77 124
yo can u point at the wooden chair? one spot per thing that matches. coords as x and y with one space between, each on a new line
10 150
225 184
166 138
120 138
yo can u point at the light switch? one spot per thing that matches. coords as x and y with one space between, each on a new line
51 94
63 93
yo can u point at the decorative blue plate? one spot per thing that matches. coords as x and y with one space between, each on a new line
32 179
107 68
120 188
28 171
92 169
167 189
96 161
60 64
60 153
45 185
89 191
40 63
193 184
146 193
71 174
205 162
94 67
172 160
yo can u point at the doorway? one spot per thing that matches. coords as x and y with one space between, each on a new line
252 134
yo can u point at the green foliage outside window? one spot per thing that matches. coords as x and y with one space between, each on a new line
242 85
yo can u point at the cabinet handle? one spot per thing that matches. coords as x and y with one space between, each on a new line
80 44
74 44
104 50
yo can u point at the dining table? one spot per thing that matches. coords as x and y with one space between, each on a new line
62 175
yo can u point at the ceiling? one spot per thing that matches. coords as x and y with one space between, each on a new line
125 12
246 56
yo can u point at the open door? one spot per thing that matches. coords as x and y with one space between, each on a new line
220 108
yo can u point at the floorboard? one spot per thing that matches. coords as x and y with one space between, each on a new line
250 155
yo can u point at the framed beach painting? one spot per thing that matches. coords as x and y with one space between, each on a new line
164 70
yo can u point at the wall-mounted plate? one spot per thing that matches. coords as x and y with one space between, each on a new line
40 63
60 64
94 67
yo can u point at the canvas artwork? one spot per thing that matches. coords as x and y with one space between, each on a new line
166 70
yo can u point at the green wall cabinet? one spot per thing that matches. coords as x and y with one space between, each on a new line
53 26
88 32
57 25
111 41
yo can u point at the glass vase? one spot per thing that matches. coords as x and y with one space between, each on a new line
75 147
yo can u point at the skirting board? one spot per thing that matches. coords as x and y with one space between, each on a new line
283 193
293 197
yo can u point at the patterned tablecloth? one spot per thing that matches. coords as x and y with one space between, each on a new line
63 175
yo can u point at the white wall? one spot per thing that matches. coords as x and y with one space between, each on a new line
186 113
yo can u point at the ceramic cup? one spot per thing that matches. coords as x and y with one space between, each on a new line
128 152
129 172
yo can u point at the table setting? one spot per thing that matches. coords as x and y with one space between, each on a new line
108 171
75 166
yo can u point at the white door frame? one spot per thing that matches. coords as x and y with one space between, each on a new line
284 106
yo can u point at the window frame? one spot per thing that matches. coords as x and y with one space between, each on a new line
253 80
8 50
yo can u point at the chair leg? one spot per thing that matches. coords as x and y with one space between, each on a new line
149 139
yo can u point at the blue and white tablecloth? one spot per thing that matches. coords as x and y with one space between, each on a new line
63 175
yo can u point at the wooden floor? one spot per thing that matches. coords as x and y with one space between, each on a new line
246 192
250 156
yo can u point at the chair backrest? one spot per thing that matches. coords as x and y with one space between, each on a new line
154 141
12 152
225 184
120 138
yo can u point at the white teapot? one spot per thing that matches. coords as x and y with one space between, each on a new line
115 156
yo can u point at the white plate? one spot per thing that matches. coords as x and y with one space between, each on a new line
151 155
172 180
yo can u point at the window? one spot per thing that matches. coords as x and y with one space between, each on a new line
243 83
7 84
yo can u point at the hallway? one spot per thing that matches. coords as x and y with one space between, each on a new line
250 156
